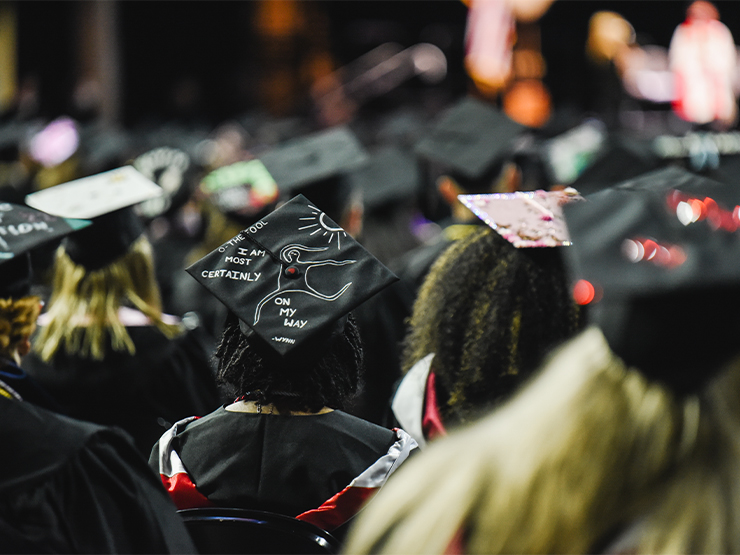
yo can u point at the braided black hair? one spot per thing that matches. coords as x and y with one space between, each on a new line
305 381
489 312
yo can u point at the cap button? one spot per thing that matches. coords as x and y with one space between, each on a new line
292 272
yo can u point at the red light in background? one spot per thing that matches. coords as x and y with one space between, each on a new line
700 211
583 292
651 248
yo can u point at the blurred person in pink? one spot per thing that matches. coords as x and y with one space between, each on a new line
703 59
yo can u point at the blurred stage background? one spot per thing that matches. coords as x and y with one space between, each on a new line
135 62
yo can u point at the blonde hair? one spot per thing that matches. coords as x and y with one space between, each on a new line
83 310
219 229
587 450
17 322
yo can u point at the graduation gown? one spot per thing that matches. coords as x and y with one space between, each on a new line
414 404
73 487
319 468
165 381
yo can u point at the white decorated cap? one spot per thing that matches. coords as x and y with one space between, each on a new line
96 195
525 218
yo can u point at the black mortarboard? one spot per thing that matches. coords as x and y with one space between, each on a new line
470 138
106 198
391 176
22 229
104 148
525 218
316 157
619 160
657 260
12 137
243 191
291 276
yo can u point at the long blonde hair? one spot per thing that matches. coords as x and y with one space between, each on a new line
17 322
586 452
83 310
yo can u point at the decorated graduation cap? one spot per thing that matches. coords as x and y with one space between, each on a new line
23 229
243 191
391 176
314 158
657 261
525 218
107 199
291 276
173 170
469 139
55 143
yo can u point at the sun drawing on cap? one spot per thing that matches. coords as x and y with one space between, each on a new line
321 225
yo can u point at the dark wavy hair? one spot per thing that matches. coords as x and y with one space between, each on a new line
489 312
327 375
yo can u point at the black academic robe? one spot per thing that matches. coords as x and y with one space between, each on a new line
73 487
15 381
144 393
318 468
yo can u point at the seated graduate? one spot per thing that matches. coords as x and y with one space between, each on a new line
490 309
105 351
470 149
467 150
292 354
66 486
628 440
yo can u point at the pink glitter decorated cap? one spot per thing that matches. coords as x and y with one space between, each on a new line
525 218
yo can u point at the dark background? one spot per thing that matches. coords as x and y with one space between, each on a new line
212 43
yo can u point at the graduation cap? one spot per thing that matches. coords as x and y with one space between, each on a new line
104 148
525 219
23 229
55 143
657 262
291 276
568 154
469 139
619 161
170 168
12 137
242 191
300 162
107 199
391 176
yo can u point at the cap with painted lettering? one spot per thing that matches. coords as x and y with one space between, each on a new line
107 199
243 191
525 218
470 138
23 229
291 276
657 262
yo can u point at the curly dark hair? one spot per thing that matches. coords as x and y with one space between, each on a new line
327 375
489 312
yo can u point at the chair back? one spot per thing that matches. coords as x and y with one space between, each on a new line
224 530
